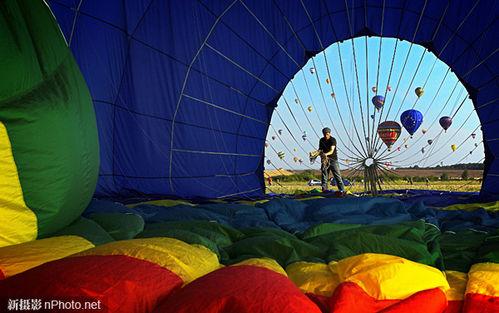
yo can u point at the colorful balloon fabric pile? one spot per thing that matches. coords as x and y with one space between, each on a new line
306 255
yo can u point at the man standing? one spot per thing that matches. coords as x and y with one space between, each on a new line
329 160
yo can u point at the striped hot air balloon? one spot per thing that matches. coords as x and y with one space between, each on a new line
389 132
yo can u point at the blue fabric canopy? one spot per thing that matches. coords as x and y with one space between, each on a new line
184 90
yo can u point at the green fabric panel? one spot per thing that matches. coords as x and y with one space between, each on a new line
212 235
279 245
119 225
431 237
350 244
405 240
183 235
48 112
460 249
489 251
87 229
221 235
326 228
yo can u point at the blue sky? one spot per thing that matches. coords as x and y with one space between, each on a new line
433 105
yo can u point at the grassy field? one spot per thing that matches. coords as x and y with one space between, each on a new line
451 185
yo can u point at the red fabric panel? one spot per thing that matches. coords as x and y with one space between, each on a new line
241 289
2 276
428 301
121 283
454 306
350 298
320 301
477 303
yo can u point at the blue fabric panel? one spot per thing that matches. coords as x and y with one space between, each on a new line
296 216
168 77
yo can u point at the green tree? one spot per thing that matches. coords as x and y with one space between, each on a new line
465 175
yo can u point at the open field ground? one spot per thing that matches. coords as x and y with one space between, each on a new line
454 185
398 181
427 172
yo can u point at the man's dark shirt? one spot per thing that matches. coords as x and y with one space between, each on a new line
325 146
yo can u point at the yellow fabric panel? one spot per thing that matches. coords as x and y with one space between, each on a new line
490 206
267 263
457 283
187 261
21 257
316 278
164 202
310 198
19 223
483 278
248 202
387 277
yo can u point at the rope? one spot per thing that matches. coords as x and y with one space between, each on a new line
305 78
356 74
329 77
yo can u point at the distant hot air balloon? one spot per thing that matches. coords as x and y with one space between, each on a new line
281 155
389 132
296 101
476 144
388 88
398 148
430 141
268 161
378 101
312 70
304 137
453 147
347 161
422 150
419 91
424 130
309 108
333 95
445 122
294 149
280 131
295 159
473 135
327 81
406 146
411 120
367 138
266 145
374 89
273 137
300 161
372 116
471 152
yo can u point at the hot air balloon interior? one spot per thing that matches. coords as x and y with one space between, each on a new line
156 155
